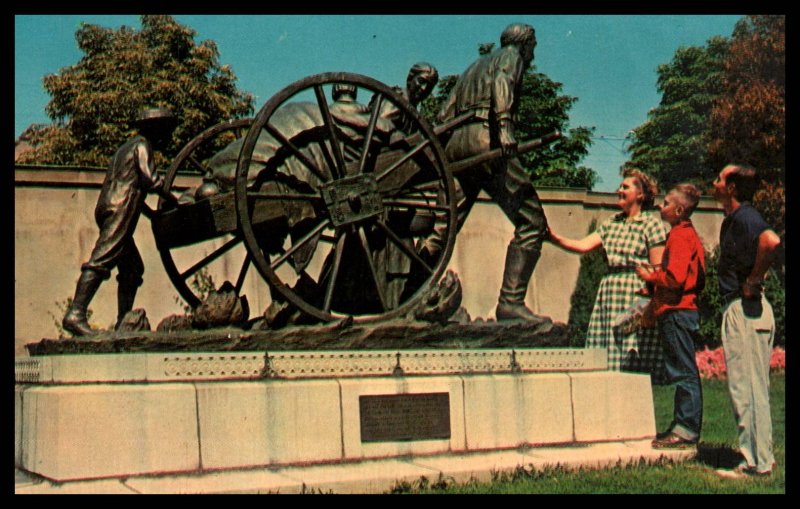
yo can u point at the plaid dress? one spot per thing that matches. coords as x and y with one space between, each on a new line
627 244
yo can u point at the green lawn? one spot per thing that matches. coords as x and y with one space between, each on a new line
717 449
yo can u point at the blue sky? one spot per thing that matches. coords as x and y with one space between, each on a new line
608 62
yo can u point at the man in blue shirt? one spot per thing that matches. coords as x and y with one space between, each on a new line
747 248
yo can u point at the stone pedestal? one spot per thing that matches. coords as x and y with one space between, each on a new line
118 415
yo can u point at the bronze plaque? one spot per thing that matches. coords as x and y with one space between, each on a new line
405 417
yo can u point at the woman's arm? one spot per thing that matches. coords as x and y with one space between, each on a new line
584 245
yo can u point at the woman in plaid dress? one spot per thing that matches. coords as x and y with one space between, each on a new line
631 238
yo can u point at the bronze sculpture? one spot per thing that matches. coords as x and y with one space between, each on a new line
130 176
370 183
490 88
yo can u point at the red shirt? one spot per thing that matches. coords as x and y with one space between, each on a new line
682 274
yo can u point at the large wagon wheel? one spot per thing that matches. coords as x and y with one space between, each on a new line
369 192
183 263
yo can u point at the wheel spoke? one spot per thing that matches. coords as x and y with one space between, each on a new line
210 258
420 195
362 235
338 170
197 164
337 261
280 197
304 240
373 119
402 160
242 273
432 186
415 205
404 248
296 152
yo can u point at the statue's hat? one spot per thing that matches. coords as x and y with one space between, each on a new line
155 116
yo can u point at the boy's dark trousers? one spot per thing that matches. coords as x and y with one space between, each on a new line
677 329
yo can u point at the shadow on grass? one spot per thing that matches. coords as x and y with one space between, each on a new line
718 456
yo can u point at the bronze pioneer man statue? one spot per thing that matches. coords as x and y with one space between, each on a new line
420 82
130 176
490 87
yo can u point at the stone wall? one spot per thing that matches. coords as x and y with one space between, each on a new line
54 232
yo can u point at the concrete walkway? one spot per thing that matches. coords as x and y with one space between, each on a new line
374 476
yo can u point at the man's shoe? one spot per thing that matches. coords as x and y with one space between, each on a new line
733 473
743 471
673 441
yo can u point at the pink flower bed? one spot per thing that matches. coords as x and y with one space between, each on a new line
711 363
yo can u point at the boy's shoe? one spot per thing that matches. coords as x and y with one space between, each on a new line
673 441
663 434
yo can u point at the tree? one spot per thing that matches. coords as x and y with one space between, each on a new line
748 122
593 268
94 101
541 110
722 103
672 145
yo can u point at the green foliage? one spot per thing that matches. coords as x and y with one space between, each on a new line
542 109
593 268
775 291
711 305
94 101
672 145
722 103
202 283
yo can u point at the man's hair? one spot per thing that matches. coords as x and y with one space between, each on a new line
645 183
689 196
340 89
423 68
517 33
746 180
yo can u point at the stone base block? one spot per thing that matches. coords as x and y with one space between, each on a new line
246 424
93 431
105 430
612 406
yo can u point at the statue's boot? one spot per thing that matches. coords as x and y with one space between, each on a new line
126 294
520 263
75 319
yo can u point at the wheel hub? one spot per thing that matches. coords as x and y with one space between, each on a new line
352 199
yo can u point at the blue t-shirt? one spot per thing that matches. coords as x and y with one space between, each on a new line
738 242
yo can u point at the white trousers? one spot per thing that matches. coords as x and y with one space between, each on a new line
747 342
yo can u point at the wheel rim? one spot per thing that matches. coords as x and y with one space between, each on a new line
355 199
194 156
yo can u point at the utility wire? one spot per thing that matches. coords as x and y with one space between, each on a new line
607 139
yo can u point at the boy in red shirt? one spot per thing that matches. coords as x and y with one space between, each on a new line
677 283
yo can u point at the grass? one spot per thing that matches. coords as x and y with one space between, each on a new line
717 449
